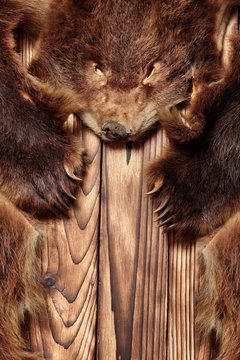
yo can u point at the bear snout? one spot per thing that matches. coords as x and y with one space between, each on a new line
115 130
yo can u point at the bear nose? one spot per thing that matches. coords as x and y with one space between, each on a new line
114 130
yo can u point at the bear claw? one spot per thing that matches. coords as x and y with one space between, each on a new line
155 190
169 228
68 193
71 174
161 216
167 221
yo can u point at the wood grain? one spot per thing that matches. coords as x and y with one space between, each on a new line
181 332
133 272
71 257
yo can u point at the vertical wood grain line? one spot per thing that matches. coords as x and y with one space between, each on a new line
133 283
182 269
122 350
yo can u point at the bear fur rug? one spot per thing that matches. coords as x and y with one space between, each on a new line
122 66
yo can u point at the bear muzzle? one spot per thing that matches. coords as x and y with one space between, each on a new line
114 130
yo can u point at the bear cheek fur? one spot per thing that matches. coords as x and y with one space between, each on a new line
20 284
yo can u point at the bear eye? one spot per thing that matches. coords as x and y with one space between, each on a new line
98 70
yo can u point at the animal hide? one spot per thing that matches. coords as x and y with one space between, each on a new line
39 162
122 66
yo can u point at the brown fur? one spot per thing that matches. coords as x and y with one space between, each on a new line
219 298
121 66
43 184
20 281
38 159
129 67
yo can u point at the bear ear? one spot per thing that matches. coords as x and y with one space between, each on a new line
86 5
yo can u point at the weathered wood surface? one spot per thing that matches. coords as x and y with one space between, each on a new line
123 289
71 257
133 272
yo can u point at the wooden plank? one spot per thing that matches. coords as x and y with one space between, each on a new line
133 272
71 257
183 340
67 329
181 332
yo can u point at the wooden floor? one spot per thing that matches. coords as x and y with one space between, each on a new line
123 289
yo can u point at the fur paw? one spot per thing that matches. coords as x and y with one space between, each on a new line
50 183
162 191
175 197
164 210
164 218
41 164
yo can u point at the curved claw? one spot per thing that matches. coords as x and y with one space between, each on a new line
154 190
71 174
162 215
68 193
170 228
166 221
162 205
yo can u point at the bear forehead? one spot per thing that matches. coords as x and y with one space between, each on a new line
127 59
127 35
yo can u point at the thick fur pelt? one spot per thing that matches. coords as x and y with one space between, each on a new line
219 297
122 66
39 162
20 281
